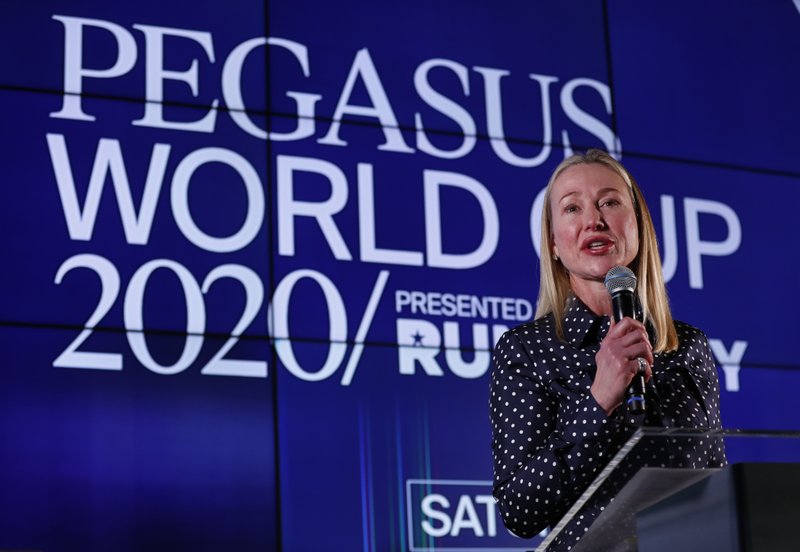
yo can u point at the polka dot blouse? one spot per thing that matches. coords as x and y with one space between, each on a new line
550 438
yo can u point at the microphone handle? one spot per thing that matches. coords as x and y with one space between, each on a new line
622 305
635 394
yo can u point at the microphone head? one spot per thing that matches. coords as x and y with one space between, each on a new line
620 278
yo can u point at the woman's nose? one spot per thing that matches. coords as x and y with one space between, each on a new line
594 220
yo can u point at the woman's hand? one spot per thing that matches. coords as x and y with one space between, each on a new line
617 362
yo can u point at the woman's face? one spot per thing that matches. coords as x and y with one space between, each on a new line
593 222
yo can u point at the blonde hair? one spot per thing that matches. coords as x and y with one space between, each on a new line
554 286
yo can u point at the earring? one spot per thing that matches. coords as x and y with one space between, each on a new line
555 257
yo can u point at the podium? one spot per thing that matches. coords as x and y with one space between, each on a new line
751 505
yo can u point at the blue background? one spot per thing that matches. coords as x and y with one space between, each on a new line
701 96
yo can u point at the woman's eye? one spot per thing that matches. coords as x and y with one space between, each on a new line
609 203
570 208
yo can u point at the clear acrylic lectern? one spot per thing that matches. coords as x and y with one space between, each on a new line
752 504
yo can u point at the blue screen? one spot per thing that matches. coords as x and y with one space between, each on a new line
257 255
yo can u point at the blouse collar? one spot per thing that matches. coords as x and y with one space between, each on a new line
581 326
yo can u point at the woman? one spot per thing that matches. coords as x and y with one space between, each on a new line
559 382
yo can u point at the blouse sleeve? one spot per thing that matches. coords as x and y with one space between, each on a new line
546 449
710 395
689 388
709 387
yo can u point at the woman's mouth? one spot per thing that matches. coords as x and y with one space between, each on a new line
598 246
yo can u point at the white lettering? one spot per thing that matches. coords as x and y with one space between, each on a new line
668 225
583 119
180 200
696 248
232 90
731 361
438 523
536 222
494 117
289 208
109 289
381 109
401 298
482 358
419 341
75 72
466 517
447 107
435 303
278 317
491 523
254 294
108 159
366 222
434 180
429 511
155 75
134 316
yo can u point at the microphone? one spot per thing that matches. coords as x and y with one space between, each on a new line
621 282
